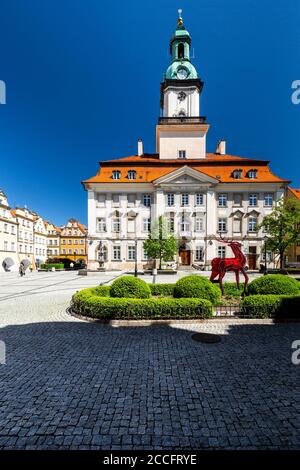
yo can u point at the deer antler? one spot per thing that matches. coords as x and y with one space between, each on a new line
221 239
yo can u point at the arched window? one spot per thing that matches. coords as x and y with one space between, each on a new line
180 51
131 174
237 174
116 175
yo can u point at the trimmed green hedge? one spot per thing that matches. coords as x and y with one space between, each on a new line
278 284
130 287
52 265
88 302
166 290
268 306
197 287
231 289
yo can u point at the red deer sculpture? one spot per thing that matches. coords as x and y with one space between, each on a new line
220 266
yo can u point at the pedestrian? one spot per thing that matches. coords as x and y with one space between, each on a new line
22 269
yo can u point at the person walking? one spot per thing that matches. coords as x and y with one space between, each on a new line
22 269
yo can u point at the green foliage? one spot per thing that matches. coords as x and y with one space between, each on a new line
274 284
161 244
268 306
195 286
282 227
130 287
166 290
49 266
231 290
88 303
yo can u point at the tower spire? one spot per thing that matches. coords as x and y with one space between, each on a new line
180 19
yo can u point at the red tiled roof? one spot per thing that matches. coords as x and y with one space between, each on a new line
149 167
295 192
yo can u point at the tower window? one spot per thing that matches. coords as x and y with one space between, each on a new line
180 51
181 153
132 175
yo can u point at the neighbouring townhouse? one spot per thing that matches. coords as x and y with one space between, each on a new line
73 242
293 255
53 240
8 236
25 219
40 240
201 194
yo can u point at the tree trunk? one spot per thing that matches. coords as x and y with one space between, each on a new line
282 260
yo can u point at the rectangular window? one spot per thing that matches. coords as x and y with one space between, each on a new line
13 229
63 242
268 199
253 199
101 225
101 199
222 225
131 253
170 199
116 225
199 199
69 242
70 251
5 246
116 200
237 199
181 153
145 255
81 242
81 251
222 200
12 246
5 228
185 199
116 252
146 224
131 198
63 251
171 223
237 225
221 251
131 225
199 224
199 253
147 200
269 256
252 224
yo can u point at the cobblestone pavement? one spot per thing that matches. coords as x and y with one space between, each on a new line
70 384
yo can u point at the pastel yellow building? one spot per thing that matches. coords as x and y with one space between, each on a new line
73 241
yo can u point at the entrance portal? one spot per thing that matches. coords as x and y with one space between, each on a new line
252 257
185 256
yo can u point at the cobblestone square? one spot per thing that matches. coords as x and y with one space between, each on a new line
71 384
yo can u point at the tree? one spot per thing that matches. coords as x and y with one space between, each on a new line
282 228
161 244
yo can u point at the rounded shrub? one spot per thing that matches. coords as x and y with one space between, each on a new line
130 287
197 287
278 284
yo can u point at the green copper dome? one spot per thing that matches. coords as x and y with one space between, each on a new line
181 66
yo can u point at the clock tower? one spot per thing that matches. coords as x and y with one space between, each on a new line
181 131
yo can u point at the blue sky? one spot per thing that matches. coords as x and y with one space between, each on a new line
83 80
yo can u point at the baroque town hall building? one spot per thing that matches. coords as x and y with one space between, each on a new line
200 194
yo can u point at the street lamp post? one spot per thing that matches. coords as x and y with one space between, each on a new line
135 259
265 247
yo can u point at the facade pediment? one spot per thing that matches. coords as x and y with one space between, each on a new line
185 176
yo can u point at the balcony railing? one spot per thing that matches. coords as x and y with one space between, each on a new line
182 120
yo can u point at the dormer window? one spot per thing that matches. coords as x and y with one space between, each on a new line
237 174
181 154
132 175
116 175
252 174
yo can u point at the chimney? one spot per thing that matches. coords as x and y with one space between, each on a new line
221 147
140 147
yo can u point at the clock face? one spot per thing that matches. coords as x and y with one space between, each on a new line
182 73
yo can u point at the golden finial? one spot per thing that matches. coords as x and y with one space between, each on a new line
180 20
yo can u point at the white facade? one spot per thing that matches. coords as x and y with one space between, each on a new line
181 102
8 237
198 208
53 240
40 241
